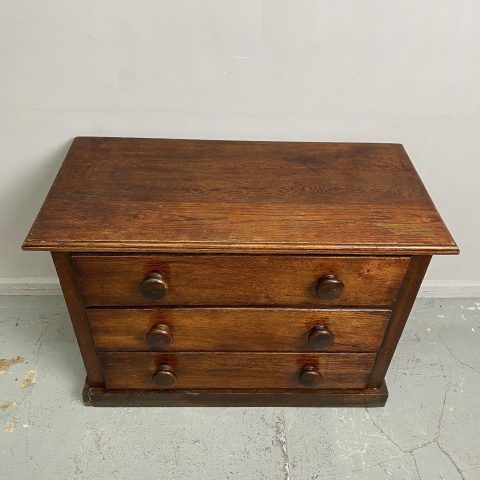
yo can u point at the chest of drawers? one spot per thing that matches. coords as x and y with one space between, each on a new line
238 273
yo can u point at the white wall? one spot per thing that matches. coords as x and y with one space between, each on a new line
375 70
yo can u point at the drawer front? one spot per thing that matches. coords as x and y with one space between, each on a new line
237 329
239 280
236 370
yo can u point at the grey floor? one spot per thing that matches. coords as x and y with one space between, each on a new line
430 428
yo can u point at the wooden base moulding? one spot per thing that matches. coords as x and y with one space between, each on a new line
102 397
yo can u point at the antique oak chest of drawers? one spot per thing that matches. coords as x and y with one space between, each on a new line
238 273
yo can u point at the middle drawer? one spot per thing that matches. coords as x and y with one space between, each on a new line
237 329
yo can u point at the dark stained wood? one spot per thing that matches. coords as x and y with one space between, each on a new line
164 376
239 279
310 377
101 397
413 279
120 194
159 337
236 370
238 329
320 337
329 287
76 309
238 273
153 286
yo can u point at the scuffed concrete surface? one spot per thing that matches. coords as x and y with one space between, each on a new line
428 430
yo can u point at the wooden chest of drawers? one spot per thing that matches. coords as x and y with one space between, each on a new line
238 273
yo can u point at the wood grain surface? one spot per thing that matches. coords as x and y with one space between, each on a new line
403 305
359 397
236 370
231 196
237 329
78 317
238 279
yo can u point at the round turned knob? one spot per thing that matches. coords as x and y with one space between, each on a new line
159 336
164 376
320 337
154 286
329 287
309 376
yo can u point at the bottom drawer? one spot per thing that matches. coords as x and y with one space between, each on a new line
236 370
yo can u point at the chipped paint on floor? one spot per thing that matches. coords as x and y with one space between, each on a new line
10 426
29 379
427 430
8 404
6 363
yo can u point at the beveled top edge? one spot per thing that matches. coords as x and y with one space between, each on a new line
254 248
446 246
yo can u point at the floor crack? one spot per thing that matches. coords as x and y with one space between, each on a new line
281 440
452 461
442 413
383 433
457 359
450 351
417 471
436 440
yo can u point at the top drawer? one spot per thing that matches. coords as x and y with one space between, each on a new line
133 279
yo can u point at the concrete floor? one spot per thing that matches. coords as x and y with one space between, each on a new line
429 429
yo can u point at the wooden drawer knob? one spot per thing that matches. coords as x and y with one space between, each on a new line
309 376
329 287
320 337
159 336
164 376
154 286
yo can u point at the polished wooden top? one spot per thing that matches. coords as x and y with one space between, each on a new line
126 194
